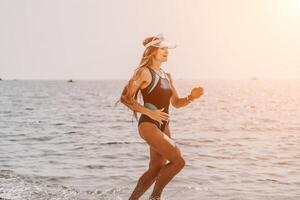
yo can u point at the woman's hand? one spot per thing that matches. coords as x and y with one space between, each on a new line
196 93
158 115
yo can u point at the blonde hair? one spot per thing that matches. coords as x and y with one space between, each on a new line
148 53
146 61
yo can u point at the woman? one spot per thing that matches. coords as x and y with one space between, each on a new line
158 91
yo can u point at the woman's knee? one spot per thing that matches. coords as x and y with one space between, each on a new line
180 162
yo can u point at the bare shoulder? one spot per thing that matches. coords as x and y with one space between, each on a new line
143 73
143 76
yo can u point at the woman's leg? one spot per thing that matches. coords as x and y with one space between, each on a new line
166 147
148 178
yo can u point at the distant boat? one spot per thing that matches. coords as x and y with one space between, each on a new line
254 78
0 79
70 81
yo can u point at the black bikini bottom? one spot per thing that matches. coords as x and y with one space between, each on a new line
145 118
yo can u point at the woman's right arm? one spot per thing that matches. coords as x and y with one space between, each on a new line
127 98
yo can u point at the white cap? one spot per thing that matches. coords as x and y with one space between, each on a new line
160 41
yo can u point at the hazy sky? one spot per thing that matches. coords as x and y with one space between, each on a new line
102 39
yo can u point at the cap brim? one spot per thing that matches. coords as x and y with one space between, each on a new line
168 44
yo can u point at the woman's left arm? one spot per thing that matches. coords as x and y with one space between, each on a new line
177 101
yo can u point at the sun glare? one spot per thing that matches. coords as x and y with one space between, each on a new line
295 6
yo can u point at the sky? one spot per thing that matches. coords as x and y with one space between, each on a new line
102 39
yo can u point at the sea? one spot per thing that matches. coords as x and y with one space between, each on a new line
63 140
